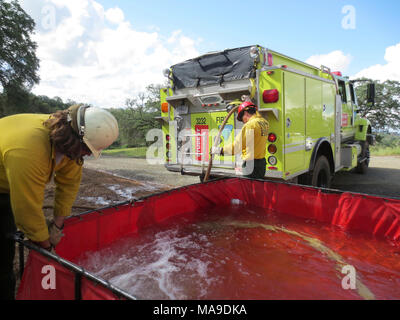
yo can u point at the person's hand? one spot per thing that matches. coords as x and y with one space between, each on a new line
55 233
51 249
217 150
45 245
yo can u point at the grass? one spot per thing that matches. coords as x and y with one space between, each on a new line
384 151
139 152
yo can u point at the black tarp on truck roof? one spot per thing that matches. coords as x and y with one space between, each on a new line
214 68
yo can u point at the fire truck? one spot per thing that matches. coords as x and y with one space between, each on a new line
314 127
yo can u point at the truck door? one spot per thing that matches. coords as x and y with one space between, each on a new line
227 137
347 111
353 99
294 117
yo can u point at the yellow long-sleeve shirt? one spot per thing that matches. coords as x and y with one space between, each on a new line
27 164
252 140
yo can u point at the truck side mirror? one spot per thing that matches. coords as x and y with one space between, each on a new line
371 93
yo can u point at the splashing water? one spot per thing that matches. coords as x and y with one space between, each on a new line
243 252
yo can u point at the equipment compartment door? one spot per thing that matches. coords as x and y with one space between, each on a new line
201 125
227 136
294 117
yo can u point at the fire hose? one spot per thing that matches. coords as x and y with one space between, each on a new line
218 137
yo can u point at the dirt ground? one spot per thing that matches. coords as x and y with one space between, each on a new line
99 189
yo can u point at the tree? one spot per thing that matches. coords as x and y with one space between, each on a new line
138 117
384 115
27 102
18 62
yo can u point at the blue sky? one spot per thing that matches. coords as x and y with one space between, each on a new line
296 28
105 51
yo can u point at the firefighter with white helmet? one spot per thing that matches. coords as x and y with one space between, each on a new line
255 128
95 126
33 149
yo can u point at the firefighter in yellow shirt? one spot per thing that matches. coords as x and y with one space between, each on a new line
33 149
251 141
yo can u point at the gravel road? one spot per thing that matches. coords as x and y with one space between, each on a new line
382 178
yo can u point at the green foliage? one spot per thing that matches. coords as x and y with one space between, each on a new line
384 115
21 101
138 118
18 62
139 152
134 121
19 65
388 140
386 144
385 151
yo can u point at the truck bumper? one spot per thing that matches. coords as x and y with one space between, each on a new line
218 172
198 170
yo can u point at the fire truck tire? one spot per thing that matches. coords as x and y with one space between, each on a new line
321 175
363 159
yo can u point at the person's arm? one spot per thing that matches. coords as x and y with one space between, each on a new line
27 180
237 146
67 180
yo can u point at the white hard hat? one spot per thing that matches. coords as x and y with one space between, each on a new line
98 128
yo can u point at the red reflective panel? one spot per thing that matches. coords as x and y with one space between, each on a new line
272 137
270 96
270 59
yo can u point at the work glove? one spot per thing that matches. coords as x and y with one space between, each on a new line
217 151
55 233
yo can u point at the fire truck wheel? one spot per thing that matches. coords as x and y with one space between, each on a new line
321 175
363 159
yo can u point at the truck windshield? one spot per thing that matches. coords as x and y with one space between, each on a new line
214 68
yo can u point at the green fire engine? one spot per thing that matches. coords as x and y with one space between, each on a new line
315 130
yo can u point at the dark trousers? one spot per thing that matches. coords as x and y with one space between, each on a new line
7 249
254 168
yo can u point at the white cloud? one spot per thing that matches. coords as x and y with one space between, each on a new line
96 56
388 71
335 60
115 15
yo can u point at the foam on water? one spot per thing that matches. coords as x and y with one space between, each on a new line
158 268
